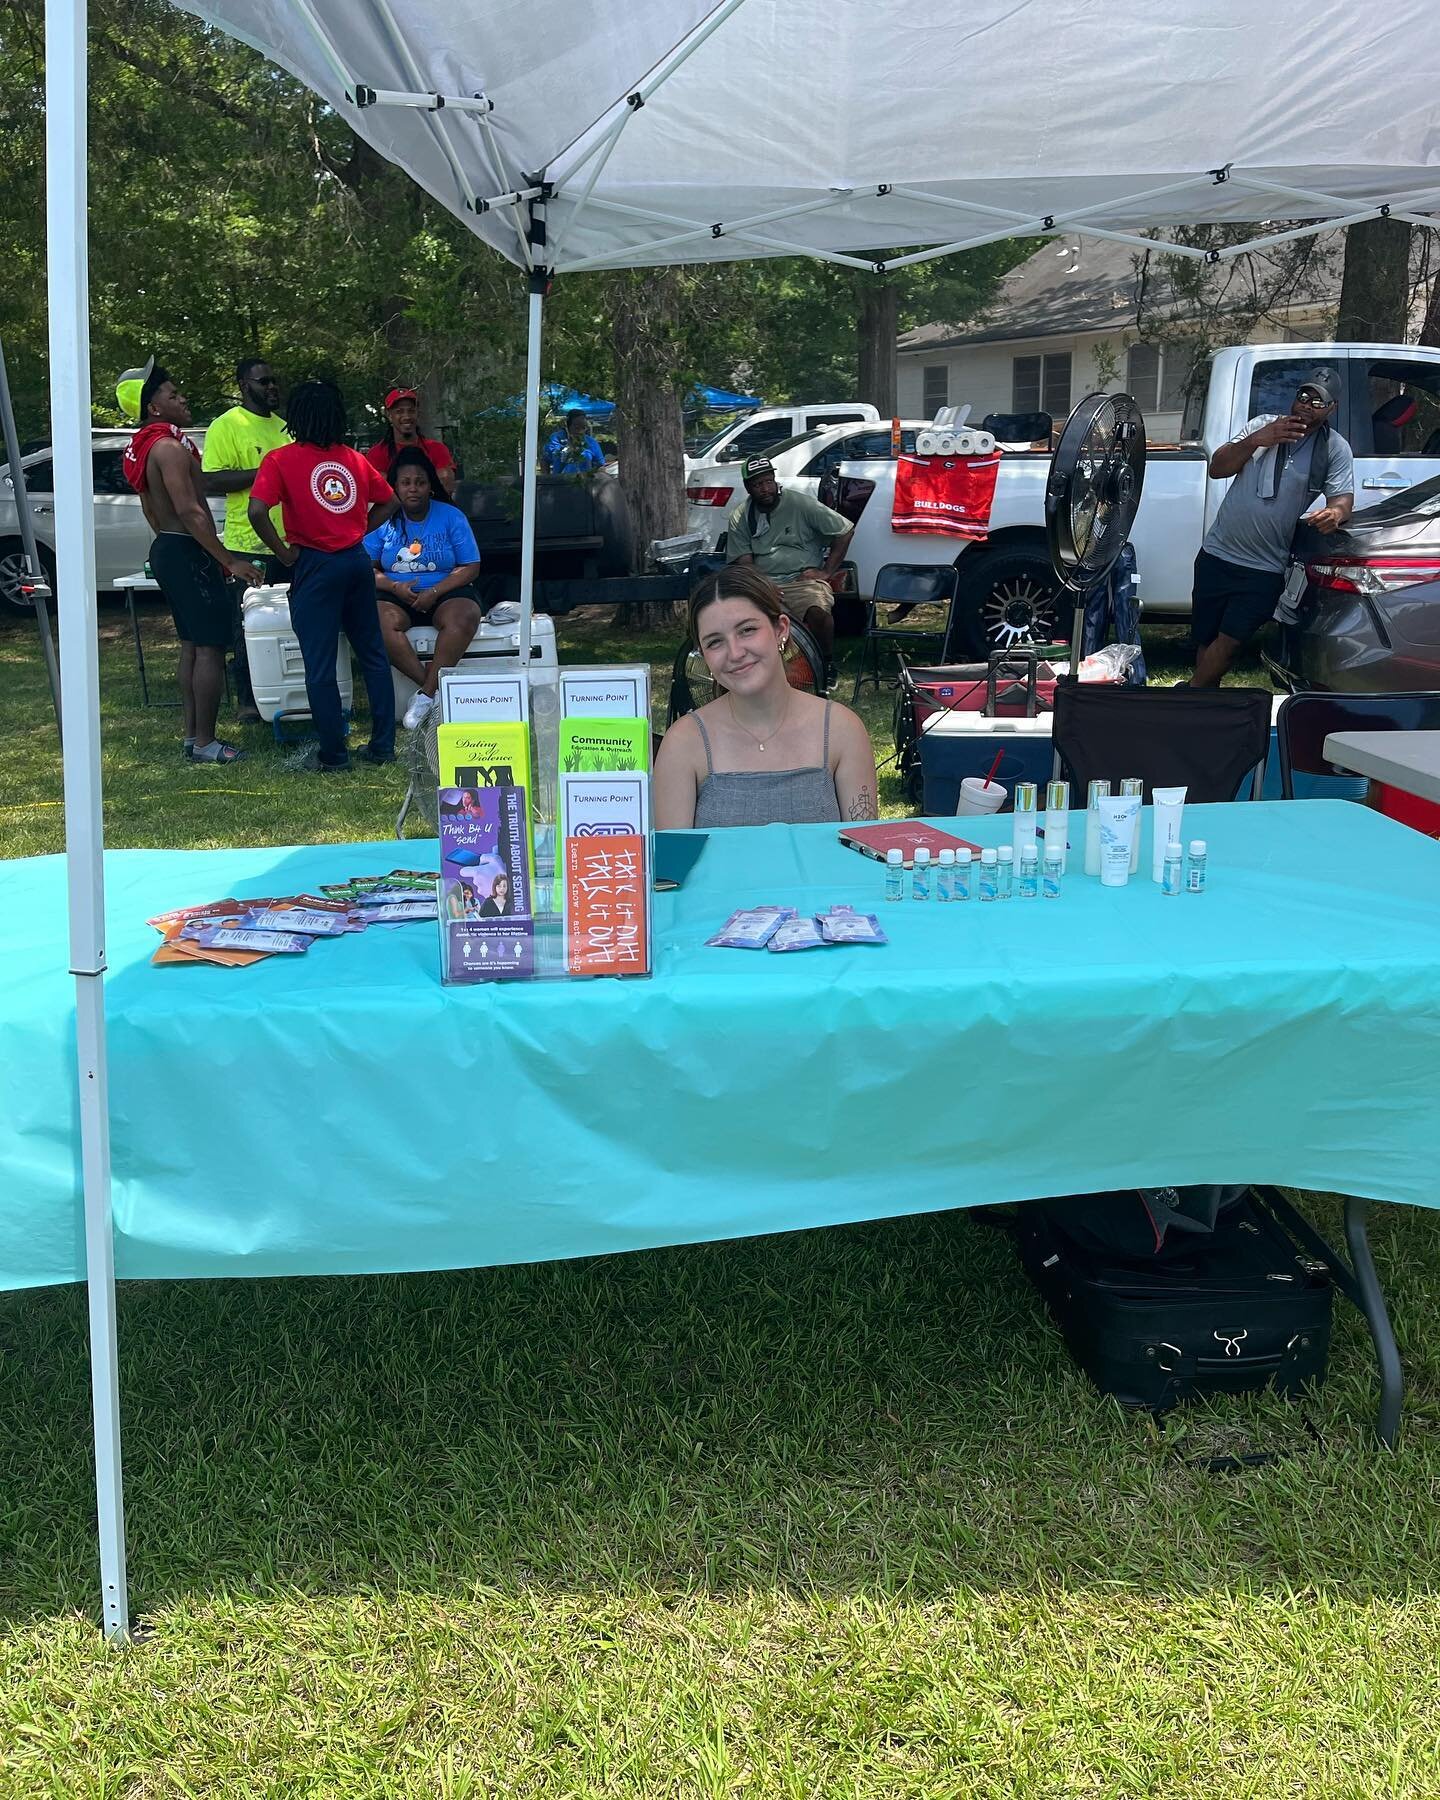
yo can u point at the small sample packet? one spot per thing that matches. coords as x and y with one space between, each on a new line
751 928
400 912
183 915
272 943
394 896
797 934
418 879
307 919
843 925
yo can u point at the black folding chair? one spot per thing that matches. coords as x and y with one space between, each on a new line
1206 740
905 585
1306 720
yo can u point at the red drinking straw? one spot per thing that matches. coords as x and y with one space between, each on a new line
993 767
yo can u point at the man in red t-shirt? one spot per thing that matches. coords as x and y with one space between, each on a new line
329 497
402 416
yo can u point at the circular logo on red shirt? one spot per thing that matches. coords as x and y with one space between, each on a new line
333 486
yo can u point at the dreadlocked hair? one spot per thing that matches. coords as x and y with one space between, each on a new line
316 414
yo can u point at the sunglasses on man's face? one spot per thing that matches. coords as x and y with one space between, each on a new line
1308 397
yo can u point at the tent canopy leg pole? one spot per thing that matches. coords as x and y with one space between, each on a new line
69 297
538 283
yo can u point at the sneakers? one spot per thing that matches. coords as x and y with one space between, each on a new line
418 711
371 755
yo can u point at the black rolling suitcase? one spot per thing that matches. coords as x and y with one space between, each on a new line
1226 1311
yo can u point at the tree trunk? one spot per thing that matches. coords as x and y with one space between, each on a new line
877 329
1430 330
1375 288
650 433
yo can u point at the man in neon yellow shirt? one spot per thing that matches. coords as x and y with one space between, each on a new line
234 446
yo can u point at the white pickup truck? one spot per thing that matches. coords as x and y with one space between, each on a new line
1389 412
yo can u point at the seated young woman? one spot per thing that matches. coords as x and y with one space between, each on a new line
426 561
763 753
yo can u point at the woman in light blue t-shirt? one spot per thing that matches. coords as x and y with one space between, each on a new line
426 561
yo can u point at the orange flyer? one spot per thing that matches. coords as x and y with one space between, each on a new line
606 894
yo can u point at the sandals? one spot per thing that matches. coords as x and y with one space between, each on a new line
216 752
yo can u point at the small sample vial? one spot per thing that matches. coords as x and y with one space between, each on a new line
894 875
1195 876
1054 872
989 863
920 876
1170 882
964 874
1005 872
1132 784
945 876
1029 873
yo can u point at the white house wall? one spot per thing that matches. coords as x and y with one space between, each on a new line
982 375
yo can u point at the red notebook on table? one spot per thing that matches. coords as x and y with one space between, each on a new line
904 835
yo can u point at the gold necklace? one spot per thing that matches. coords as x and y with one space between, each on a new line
784 714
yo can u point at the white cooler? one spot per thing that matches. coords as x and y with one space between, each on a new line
497 636
277 673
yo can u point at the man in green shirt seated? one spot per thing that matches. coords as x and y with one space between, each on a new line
234 446
796 541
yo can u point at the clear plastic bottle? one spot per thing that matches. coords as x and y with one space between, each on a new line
1029 883
894 875
1170 881
988 865
1005 872
1195 876
964 874
945 876
920 875
1054 872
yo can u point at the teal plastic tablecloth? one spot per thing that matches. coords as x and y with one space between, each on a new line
343 1112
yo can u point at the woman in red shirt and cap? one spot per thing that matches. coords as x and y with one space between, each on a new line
402 431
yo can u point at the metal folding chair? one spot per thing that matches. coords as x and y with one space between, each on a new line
904 585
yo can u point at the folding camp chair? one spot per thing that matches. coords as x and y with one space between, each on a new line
1306 720
1207 740
905 585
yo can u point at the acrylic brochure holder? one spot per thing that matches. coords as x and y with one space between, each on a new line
547 849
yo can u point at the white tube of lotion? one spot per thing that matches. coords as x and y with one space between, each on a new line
1119 821
1169 815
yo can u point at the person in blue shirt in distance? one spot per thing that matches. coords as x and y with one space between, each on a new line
571 450
426 561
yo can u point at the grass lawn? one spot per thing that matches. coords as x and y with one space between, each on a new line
824 1514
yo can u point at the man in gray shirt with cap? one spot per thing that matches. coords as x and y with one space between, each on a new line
1281 465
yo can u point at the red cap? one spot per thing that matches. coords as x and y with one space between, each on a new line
398 394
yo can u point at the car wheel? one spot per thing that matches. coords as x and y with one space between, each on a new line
1011 598
13 603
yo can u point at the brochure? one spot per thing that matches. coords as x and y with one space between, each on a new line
604 806
619 693
606 906
484 868
496 755
489 949
604 746
481 696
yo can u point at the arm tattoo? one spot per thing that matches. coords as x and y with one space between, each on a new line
863 805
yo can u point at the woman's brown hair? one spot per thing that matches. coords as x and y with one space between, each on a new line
738 581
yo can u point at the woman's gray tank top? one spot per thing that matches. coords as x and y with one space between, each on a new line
766 796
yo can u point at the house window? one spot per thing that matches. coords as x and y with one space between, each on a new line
937 388
1055 394
1041 384
1142 375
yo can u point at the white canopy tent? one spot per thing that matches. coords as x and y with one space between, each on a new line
588 134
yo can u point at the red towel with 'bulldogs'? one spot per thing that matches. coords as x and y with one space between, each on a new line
951 495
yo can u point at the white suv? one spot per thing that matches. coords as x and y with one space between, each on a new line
122 538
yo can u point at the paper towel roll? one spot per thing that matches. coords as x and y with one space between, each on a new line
945 443
925 443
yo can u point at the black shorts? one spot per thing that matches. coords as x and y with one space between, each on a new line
196 589
426 618
1230 601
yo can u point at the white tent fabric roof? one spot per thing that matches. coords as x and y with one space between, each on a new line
872 124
